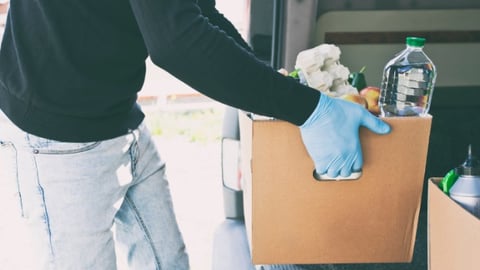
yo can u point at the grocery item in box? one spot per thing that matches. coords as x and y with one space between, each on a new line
320 67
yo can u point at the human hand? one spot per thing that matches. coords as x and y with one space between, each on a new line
331 135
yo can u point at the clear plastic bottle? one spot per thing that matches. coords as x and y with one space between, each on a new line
408 81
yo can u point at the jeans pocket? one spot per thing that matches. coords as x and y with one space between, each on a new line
47 146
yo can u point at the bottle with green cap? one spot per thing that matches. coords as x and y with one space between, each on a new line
408 81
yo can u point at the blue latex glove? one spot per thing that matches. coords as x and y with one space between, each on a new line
331 135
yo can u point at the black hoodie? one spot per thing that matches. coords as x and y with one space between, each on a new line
70 70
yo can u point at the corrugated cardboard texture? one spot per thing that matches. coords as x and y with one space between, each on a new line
292 218
453 233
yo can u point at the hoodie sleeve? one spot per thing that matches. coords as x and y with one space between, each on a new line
182 40
216 18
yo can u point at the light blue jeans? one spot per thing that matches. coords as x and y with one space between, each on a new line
59 202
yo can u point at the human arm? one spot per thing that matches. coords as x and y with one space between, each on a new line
182 41
185 43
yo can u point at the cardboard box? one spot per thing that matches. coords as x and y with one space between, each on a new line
293 218
453 233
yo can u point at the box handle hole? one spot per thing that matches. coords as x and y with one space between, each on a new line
324 177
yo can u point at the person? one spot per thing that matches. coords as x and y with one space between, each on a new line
76 157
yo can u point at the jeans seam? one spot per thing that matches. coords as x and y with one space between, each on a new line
45 209
66 152
145 231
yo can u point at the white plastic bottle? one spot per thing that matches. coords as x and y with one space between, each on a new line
408 81
466 190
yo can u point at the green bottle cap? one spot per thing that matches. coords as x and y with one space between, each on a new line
448 180
415 41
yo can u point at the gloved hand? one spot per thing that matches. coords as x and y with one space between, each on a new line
331 135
